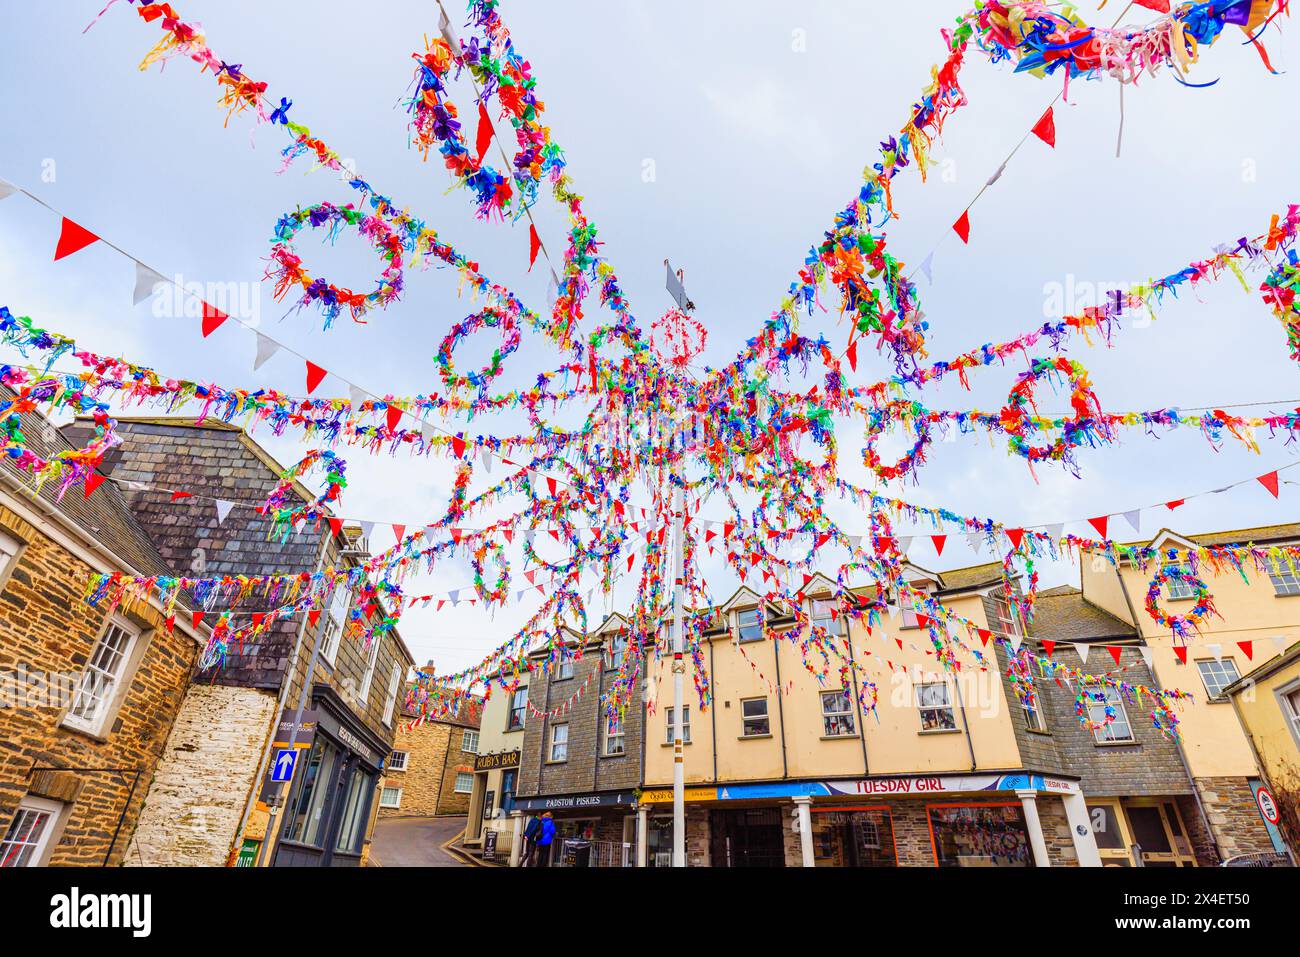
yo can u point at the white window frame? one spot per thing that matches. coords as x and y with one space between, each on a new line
9 549
562 743
336 620
52 827
843 709
832 622
564 670
466 744
120 680
686 724
1035 720
741 626
937 707
368 678
395 765
1217 663
1106 733
1178 589
746 718
1006 614
1289 697
457 789
1285 581
383 791
616 650
394 684
615 731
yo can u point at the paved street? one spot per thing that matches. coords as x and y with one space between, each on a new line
416 842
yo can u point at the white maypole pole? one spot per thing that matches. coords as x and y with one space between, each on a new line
679 664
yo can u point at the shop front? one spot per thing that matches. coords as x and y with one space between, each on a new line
591 830
1142 832
327 816
496 776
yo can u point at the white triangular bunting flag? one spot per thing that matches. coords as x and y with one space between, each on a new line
223 509
1145 652
927 267
266 347
455 597
975 541
1016 642
1134 518
1216 650
1279 643
1056 529
145 278
487 461
428 431
904 543
367 529
448 34
430 533
1081 650
357 395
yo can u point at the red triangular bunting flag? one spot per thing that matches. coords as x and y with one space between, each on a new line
922 621
212 319
1114 652
1269 482
551 486
314 376
1049 647
177 496
399 531
1175 503
939 542
1099 523
195 618
336 526
1045 128
630 559
1159 6
484 137
313 617
93 481
1181 652
171 623
984 634
1016 535
962 227
72 238
1247 649
258 618
852 353
534 244
458 446
394 416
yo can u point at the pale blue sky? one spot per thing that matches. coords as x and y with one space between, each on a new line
755 145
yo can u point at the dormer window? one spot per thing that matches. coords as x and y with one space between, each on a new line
825 613
615 650
749 624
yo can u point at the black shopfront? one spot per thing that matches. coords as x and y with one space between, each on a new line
328 809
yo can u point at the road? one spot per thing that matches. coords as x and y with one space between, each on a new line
415 842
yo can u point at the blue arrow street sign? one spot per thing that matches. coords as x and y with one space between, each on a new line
282 770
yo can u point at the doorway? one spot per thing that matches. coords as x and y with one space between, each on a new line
751 837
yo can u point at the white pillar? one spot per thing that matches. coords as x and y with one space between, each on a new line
1035 828
804 806
1085 842
642 835
517 840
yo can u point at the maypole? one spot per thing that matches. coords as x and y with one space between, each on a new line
679 644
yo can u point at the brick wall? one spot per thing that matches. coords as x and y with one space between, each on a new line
47 628
203 783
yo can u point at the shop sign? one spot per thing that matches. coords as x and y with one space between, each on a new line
665 795
502 759
574 802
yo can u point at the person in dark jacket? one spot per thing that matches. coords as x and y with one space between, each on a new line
545 838
533 828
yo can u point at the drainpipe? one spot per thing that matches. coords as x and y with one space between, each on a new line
862 730
961 706
780 695
1178 742
713 712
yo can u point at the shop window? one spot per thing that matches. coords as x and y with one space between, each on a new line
390 797
30 833
935 708
1106 827
508 781
464 782
305 824
659 842
825 613
1284 577
335 622
754 718
356 809
614 736
853 838
469 741
1116 731
749 624
518 710
837 714
104 677
397 761
1217 674
559 743
686 725
980 836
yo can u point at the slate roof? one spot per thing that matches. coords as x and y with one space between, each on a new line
104 516
1063 614
1259 535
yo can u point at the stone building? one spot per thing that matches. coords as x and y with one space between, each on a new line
214 801
577 762
431 770
88 695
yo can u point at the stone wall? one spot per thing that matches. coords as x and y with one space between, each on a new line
48 629
434 756
205 777
1234 816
